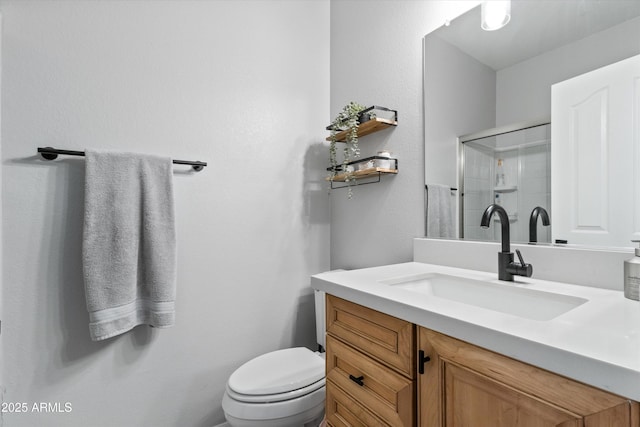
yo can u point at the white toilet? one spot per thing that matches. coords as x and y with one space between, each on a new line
284 388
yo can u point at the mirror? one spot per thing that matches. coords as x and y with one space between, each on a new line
491 82
511 167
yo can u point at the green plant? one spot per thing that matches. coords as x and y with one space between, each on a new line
346 120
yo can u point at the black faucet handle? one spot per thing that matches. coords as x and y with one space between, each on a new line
523 269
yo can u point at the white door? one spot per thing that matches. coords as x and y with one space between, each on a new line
595 156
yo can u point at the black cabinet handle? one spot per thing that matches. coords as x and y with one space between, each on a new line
422 359
357 380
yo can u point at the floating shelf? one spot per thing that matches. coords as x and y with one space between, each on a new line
506 189
373 125
370 172
364 173
383 118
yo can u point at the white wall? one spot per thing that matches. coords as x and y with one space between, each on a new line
376 58
243 85
460 95
542 71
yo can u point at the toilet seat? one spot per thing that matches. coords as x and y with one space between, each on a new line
278 375
280 397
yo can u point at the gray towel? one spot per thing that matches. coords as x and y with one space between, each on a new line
439 211
129 243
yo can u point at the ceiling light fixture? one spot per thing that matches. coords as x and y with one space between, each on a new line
495 14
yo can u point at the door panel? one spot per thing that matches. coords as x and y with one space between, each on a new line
472 400
595 156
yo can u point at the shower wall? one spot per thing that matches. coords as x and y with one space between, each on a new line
478 181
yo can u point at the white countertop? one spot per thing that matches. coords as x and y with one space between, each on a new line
597 343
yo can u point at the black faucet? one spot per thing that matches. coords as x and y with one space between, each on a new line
506 267
533 222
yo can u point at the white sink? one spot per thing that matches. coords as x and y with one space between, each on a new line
504 298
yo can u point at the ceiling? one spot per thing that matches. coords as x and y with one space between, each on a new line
536 26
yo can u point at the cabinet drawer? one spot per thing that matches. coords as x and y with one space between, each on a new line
342 411
377 388
384 337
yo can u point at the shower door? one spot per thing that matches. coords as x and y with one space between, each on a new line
511 167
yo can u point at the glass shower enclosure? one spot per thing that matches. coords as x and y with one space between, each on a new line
509 166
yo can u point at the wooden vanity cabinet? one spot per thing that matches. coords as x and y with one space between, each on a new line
467 386
374 379
370 367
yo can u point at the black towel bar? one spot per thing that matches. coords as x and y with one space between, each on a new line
49 153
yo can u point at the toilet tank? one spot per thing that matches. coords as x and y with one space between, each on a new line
321 326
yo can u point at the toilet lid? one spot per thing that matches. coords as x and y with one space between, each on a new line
278 372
